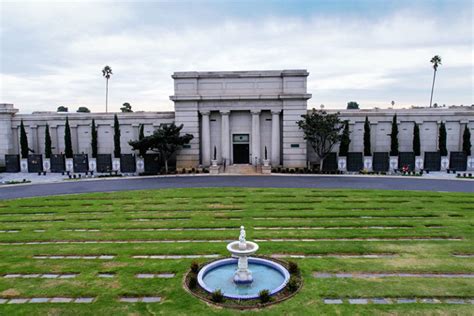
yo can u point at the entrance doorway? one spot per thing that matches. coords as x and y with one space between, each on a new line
240 148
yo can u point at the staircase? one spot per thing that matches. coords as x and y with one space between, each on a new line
243 169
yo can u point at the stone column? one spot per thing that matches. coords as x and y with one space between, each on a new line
206 139
34 139
225 128
7 111
275 138
58 135
255 137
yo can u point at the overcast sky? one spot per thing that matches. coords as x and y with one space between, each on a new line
371 52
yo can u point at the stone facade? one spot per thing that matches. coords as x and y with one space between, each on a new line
428 120
241 115
259 106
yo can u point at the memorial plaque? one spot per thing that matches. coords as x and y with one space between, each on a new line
104 163
12 163
127 163
406 159
81 163
432 161
380 161
152 163
35 163
458 161
355 162
330 162
57 163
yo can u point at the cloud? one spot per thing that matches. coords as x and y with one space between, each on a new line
372 60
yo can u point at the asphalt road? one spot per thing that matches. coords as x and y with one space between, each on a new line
274 181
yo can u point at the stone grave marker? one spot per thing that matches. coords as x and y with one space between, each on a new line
81 163
457 161
127 163
432 161
35 163
380 162
57 163
152 163
12 163
104 163
406 158
330 162
354 162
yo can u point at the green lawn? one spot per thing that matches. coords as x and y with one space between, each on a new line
443 220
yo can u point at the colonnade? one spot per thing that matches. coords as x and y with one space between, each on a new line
226 140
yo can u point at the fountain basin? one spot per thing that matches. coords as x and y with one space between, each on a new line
234 249
268 275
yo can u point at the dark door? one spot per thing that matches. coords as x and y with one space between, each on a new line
241 153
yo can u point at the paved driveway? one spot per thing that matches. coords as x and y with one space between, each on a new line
274 181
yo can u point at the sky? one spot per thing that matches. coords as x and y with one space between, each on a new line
369 51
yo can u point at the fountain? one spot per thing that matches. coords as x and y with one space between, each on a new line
242 249
242 276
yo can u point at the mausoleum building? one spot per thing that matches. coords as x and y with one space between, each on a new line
239 116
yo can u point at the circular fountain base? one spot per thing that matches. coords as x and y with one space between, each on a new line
266 275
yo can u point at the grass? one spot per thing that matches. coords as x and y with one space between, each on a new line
349 214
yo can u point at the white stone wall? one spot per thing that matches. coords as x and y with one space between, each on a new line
186 113
80 124
6 133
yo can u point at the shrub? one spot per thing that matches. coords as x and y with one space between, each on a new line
292 284
217 296
264 296
293 267
192 282
195 267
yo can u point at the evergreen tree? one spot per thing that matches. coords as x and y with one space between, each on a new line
117 150
67 140
141 135
345 140
23 141
322 131
47 143
466 141
367 151
416 140
442 140
94 139
352 105
394 137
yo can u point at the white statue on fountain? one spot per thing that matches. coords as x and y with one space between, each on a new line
242 249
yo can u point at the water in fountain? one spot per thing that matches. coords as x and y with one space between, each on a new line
242 276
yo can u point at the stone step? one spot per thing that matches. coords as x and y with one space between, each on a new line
241 169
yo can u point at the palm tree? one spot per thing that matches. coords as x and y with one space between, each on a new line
436 61
106 72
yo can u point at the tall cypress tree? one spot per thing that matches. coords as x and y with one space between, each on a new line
67 140
345 140
23 141
466 141
416 140
47 143
117 150
94 139
141 135
394 137
367 151
442 140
